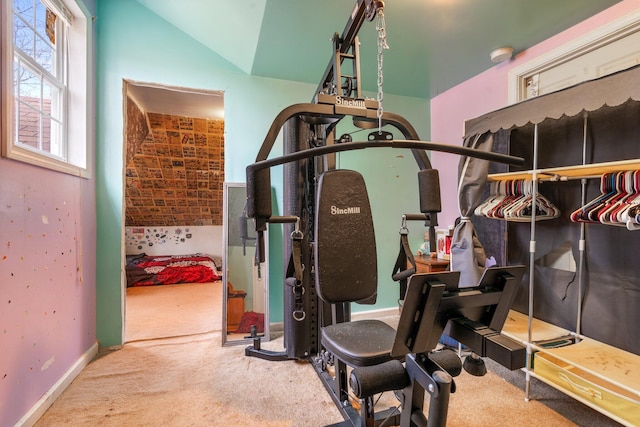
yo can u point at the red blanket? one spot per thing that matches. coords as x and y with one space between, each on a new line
251 318
143 270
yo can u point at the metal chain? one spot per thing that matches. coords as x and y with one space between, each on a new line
382 44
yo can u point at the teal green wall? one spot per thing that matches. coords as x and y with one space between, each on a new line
392 184
135 44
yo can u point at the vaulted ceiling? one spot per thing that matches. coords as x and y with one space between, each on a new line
434 44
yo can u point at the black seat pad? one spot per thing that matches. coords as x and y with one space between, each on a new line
360 343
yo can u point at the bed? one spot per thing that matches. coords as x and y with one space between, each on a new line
147 270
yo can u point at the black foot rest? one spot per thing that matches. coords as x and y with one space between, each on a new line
369 380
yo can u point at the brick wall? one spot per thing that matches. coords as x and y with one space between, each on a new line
174 173
29 118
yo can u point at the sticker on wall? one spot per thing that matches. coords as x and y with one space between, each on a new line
144 237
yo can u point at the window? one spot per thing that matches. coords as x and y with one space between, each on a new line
45 66
609 48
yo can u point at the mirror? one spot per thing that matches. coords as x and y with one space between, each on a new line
245 290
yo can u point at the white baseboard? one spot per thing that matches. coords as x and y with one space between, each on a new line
41 406
276 327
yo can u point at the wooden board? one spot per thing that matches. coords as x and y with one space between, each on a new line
616 366
564 173
516 327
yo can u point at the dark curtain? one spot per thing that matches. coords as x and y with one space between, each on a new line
471 246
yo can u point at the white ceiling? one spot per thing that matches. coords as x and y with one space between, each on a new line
177 101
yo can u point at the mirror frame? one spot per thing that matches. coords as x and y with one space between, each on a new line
225 268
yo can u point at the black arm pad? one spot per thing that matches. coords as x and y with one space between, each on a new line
429 189
259 193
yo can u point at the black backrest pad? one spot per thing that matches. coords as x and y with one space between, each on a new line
345 246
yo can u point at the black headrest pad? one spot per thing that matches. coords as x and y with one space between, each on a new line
345 245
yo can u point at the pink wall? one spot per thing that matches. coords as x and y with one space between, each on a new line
487 92
47 281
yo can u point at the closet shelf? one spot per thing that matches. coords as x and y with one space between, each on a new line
599 375
570 172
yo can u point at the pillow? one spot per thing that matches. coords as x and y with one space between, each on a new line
131 258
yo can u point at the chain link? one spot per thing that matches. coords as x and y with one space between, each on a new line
382 44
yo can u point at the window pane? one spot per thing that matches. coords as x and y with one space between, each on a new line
30 35
25 8
29 86
45 37
27 94
44 54
46 97
23 36
28 125
41 18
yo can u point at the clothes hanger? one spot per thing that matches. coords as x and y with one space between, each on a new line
522 209
617 205
497 193
630 215
512 200
582 214
632 185
611 204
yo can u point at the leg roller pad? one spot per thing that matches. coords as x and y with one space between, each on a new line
369 380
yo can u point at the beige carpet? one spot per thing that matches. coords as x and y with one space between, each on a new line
190 380
172 310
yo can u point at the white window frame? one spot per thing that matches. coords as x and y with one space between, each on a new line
77 135
590 41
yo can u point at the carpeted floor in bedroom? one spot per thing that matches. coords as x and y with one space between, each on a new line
173 371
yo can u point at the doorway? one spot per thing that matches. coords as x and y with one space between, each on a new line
173 199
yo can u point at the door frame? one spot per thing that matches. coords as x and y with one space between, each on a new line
588 42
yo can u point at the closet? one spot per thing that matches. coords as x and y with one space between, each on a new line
573 224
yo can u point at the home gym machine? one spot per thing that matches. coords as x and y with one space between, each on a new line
330 254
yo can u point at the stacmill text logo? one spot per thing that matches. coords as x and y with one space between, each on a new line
349 102
345 211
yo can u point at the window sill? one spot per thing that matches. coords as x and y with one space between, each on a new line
38 159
